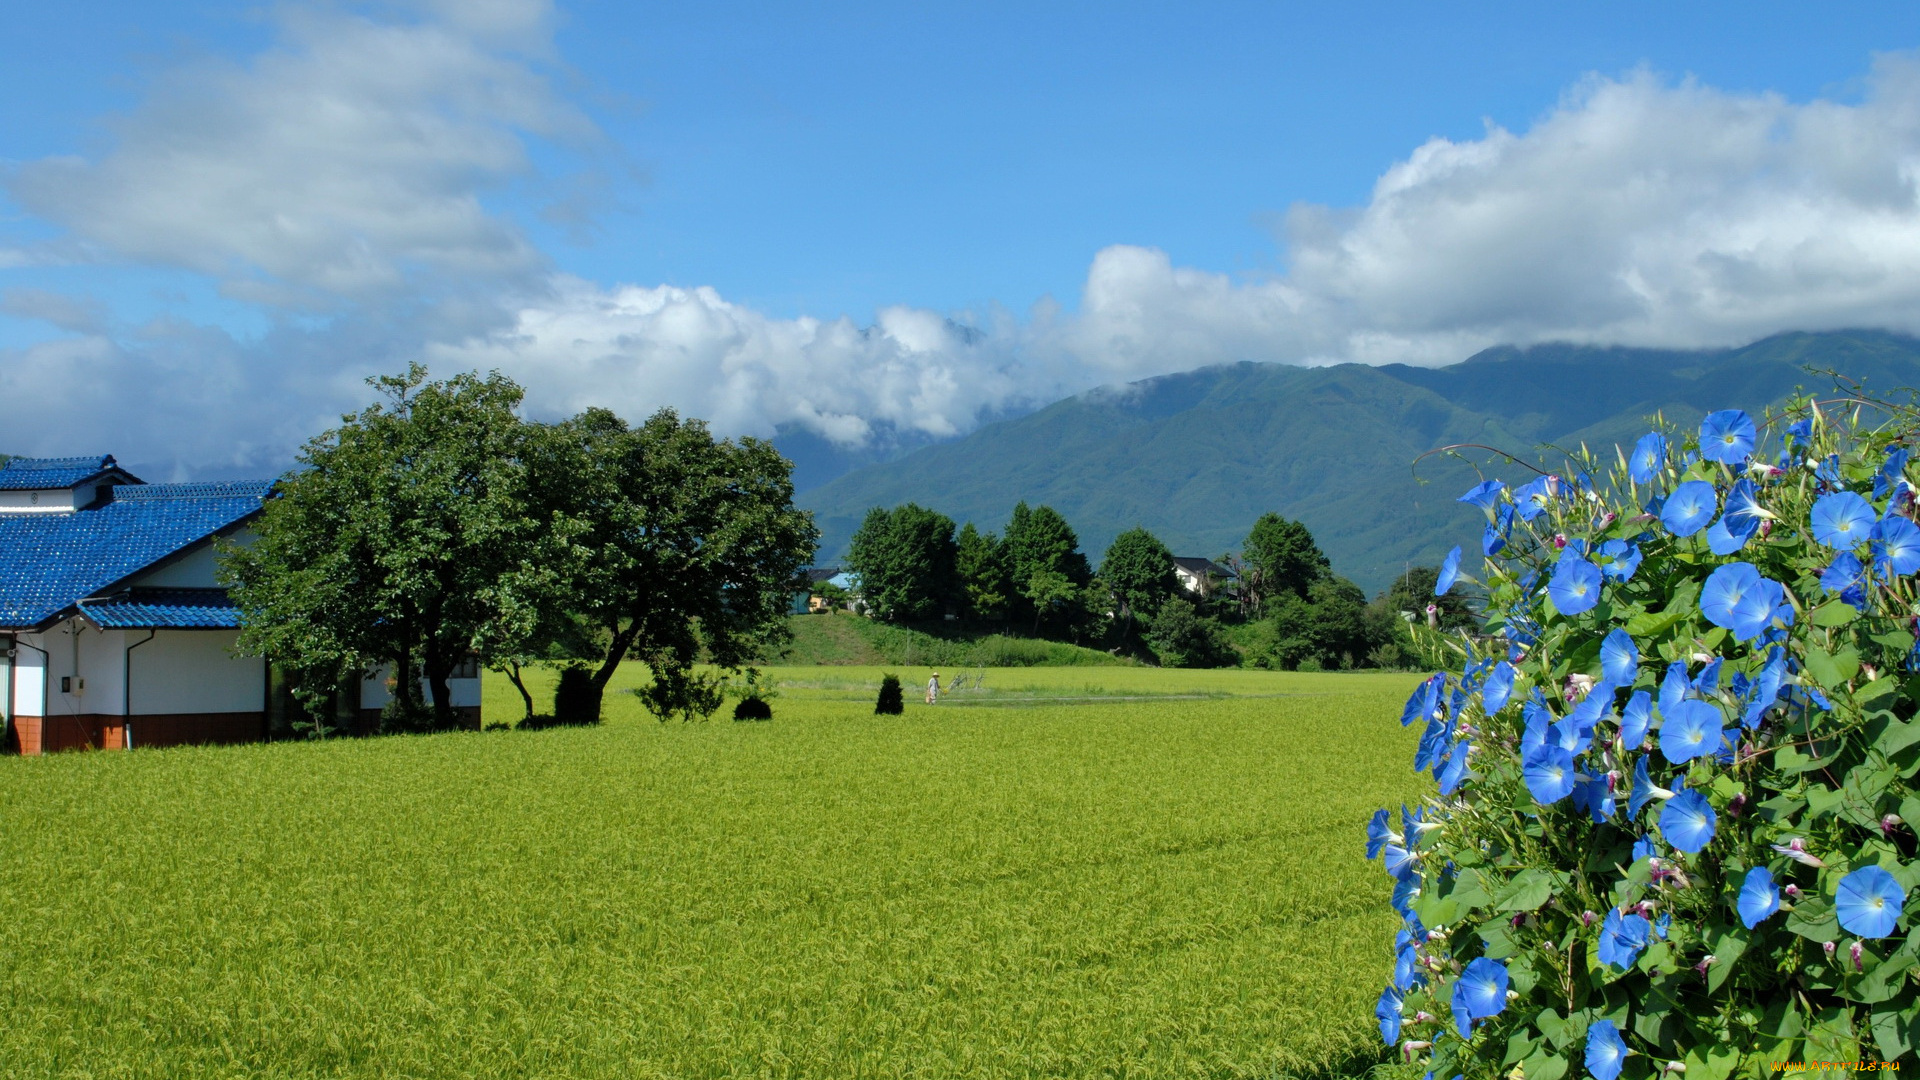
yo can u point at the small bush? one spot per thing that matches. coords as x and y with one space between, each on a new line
890 702
1182 637
574 701
752 708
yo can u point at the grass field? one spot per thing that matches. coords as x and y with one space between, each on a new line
1113 872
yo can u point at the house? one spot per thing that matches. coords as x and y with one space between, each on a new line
114 630
811 602
1198 576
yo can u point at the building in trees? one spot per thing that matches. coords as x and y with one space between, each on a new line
905 560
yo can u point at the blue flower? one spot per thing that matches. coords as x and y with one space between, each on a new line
1619 658
1622 937
1606 1053
1378 833
1644 847
1549 773
1692 730
1531 499
1673 687
1727 436
1449 572
1801 429
1401 862
1479 992
1896 545
1635 719
1592 797
1406 969
1426 698
1688 822
1759 897
1454 770
1649 457
1575 587
1743 512
1388 1013
1404 891
1485 495
1499 688
1891 472
1765 690
1844 573
1738 598
1842 520
1689 508
1643 789
1625 560
1722 542
1708 681
1539 724
1868 902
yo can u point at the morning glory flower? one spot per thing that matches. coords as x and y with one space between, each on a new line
1869 902
1644 790
1449 572
1405 891
1765 690
1688 822
1530 500
1539 726
1896 545
1406 969
1479 992
1759 897
1727 436
1635 719
1591 794
1891 472
1549 774
1388 1013
1619 657
1379 832
1743 513
1801 429
1842 520
1485 495
1673 687
1626 560
1622 937
1649 457
1738 598
1606 1053
1644 848
1454 770
1689 508
1575 586
1400 861
1708 681
1499 688
1722 542
1426 697
1692 730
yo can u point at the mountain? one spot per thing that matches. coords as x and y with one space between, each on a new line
1196 457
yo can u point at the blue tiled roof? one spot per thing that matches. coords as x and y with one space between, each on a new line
49 561
183 609
18 474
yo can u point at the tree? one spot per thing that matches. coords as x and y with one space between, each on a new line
1283 558
1181 637
904 559
1139 570
402 539
986 584
678 545
1039 542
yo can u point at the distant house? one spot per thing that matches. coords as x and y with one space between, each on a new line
810 601
114 632
1199 576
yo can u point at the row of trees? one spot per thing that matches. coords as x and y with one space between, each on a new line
438 524
1296 612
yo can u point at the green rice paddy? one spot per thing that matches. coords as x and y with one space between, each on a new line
1113 872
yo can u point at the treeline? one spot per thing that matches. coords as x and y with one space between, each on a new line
1279 605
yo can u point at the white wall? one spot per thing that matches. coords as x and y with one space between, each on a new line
29 679
49 500
194 671
95 679
465 693
193 570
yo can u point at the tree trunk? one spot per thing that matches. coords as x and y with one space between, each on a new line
616 652
437 672
513 676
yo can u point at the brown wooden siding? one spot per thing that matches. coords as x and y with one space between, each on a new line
92 731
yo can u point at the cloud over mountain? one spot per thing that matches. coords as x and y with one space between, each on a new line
342 185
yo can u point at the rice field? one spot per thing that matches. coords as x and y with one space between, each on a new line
1115 872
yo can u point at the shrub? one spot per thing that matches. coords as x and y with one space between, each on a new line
678 690
752 708
1674 821
890 702
1182 637
574 700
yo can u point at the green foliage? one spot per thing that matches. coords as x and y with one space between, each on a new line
1812 698
574 699
890 702
1282 559
680 690
1181 637
904 559
1138 568
986 582
1412 592
402 539
1048 571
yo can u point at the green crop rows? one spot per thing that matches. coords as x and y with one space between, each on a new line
1123 873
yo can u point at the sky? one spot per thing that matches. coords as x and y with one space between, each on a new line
892 222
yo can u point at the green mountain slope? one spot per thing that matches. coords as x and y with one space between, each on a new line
1196 457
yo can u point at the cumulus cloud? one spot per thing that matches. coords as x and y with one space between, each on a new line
345 171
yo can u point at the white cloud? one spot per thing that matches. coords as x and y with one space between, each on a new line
343 171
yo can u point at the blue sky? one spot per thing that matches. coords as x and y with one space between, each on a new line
774 216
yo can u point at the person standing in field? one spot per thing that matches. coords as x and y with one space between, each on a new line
933 689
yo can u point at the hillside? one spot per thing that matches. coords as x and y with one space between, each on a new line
1196 457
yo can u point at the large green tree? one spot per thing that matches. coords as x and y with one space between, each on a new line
1138 569
1040 547
905 559
986 584
400 539
1281 559
681 545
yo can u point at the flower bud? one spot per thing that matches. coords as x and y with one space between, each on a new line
1889 823
1704 964
1792 891
1646 909
1587 918
1828 947
1853 952
1737 804
1560 540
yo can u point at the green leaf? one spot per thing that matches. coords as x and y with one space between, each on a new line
1710 1063
1832 671
1881 982
1893 1031
1526 892
1726 943
1544 1066
1469 891
1813 918
1893 735
1830 1036
1833 613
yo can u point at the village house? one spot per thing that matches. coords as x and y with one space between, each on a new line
114 630
1198 576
